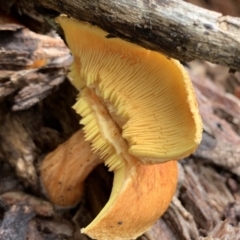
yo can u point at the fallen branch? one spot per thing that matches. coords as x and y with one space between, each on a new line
176 28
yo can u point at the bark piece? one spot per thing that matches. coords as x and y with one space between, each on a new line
58 228
29 49
18 147
159 230
33 233
180 221
223 231
15 223
220 112
40 207
8 179
39 66
201 198
232 213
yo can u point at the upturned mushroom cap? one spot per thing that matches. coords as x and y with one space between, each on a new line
149 96
137 106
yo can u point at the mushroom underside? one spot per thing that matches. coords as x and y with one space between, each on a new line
139 112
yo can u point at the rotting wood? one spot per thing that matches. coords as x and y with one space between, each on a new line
40 207
221 140
31 65
204 197
176 28
16 221
224 230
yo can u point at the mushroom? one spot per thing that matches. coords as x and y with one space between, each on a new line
140 115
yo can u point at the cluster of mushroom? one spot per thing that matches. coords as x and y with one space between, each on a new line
140 115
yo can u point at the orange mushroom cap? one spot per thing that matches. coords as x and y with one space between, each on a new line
138 107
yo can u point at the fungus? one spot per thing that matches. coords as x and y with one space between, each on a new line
140 114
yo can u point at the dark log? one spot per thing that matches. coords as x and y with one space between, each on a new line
176 28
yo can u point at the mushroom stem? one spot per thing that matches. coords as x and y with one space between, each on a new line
64 170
